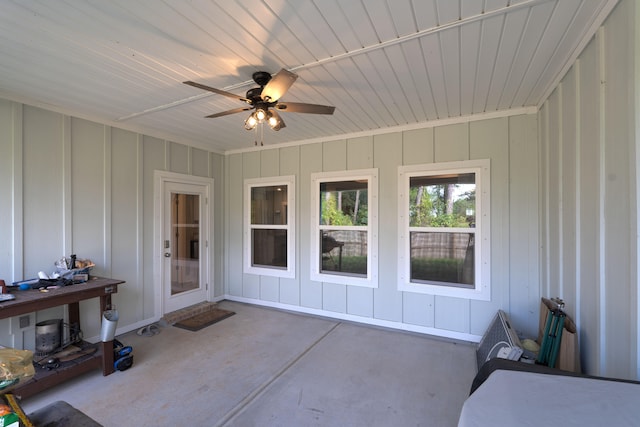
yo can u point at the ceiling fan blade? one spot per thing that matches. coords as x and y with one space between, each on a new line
218 91
300 107
278 85
226 113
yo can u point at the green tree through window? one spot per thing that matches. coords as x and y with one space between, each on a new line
343 203
433 204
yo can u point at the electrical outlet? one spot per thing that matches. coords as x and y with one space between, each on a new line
24 322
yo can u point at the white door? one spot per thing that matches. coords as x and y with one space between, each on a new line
184 242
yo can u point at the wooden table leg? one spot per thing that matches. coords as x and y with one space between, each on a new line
107 358
105 303
74 313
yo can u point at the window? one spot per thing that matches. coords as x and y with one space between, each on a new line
269 221
444 228
344 232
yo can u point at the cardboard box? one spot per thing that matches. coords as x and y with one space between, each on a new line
569 353
10 420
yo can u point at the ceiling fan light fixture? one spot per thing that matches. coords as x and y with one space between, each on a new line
260 115
274 120
251 122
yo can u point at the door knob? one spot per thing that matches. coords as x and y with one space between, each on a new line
167 255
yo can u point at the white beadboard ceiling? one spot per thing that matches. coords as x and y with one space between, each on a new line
384 64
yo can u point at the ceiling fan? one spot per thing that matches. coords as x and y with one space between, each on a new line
265 100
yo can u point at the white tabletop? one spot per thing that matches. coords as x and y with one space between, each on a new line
513 398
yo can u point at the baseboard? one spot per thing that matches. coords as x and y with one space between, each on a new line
460 336
317 312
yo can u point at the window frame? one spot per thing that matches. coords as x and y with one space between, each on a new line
481 289
371 279
249 268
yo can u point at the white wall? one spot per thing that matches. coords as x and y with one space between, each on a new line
510 143
74 186
589 196
564 209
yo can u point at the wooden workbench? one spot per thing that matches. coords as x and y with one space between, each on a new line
33 300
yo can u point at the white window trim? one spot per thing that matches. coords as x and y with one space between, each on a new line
371 281
482 289
290 271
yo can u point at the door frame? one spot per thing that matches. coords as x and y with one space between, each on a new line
160 179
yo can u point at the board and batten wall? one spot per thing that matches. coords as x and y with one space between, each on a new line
589 130
564 210
511 145
70 185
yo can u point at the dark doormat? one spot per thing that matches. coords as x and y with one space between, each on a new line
204 319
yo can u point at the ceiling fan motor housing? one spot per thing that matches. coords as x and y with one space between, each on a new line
253 94
261 77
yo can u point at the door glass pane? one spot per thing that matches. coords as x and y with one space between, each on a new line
185 242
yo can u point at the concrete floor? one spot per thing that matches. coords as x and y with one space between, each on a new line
266 367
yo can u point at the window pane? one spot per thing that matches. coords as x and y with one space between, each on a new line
344 203
269 248
269 205
443 257
344 252
443 200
